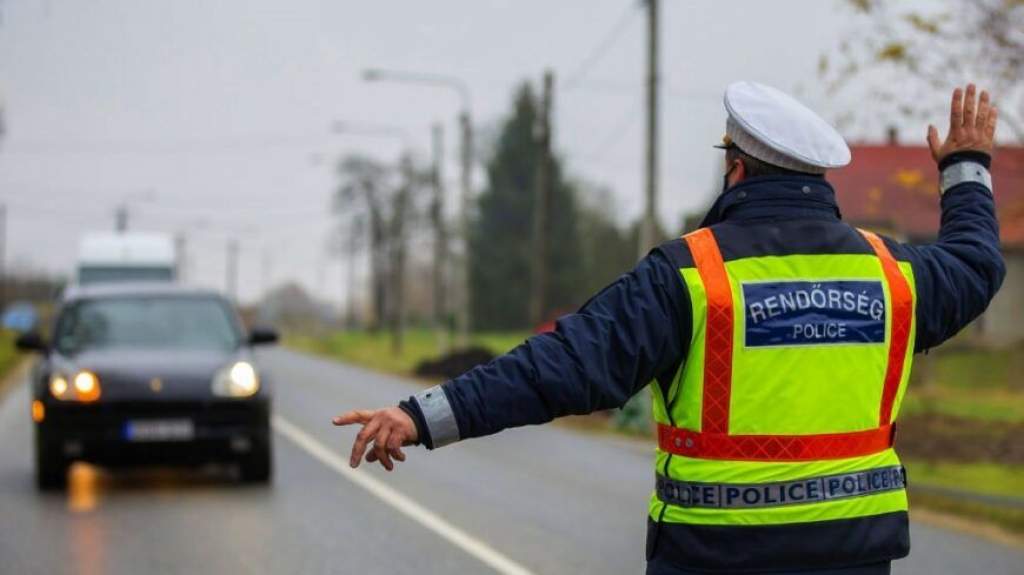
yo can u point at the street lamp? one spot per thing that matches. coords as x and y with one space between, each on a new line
427 79
343 128
466 128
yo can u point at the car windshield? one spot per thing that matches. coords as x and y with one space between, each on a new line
147 322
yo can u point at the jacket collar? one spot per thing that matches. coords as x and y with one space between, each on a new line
775 197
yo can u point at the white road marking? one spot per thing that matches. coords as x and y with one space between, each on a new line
400 502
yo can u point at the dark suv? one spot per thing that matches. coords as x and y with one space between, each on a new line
148 374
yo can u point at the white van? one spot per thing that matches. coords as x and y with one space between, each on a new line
128 256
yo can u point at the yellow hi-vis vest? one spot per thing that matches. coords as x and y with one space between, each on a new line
773 420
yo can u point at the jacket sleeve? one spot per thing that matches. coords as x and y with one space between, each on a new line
623 338
957 275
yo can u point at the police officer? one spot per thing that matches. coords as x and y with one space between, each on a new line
776 341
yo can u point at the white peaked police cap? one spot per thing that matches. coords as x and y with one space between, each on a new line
775 128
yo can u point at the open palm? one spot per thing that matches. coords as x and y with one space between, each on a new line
972 125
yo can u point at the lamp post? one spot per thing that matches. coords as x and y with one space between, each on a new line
460 87
342 128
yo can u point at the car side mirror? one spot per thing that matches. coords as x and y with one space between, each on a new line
262 335
31 341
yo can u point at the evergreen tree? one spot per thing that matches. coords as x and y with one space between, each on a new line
608 250
500 237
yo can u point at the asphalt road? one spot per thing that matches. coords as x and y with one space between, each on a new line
541 500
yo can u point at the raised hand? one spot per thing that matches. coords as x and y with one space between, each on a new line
972 125
389 429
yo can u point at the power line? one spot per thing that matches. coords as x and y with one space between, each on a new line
273 143
615 134
172 211
608 40
67 214
80 215
229 144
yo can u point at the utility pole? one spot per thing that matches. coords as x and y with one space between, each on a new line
231 279
648 226
463 307
355 235
350 277
180 243
541 205
3 218
398 239
440 239
121 219
3 256
266 265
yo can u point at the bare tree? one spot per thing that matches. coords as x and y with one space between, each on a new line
911 53
393 203
347 243
363 193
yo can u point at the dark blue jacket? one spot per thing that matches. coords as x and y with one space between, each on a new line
637 329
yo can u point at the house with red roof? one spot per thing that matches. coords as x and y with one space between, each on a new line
894 190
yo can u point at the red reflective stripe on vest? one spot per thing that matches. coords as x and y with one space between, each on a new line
823 446
902 302
718 331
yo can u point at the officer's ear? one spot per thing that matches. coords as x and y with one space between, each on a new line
737 172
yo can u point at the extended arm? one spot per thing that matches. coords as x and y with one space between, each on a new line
623 338
959 274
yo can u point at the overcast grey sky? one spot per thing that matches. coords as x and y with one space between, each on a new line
212 117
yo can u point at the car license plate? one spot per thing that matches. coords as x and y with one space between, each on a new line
159 430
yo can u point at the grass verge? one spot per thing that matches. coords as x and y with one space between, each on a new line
9 356
987 478
10 362
1009 520
984 404
374 350
986 493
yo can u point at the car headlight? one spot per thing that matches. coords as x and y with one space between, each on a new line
58 386
236 380
84 386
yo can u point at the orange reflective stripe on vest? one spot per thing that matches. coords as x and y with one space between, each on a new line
714 440
718 341
902 313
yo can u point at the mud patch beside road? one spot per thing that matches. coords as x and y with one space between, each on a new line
961 440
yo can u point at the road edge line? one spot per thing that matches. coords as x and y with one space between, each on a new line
400 502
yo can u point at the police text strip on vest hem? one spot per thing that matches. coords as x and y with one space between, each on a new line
775 494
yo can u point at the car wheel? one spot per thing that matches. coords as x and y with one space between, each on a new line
51 467
258 466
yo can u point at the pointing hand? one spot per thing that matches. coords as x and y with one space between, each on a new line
389 429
